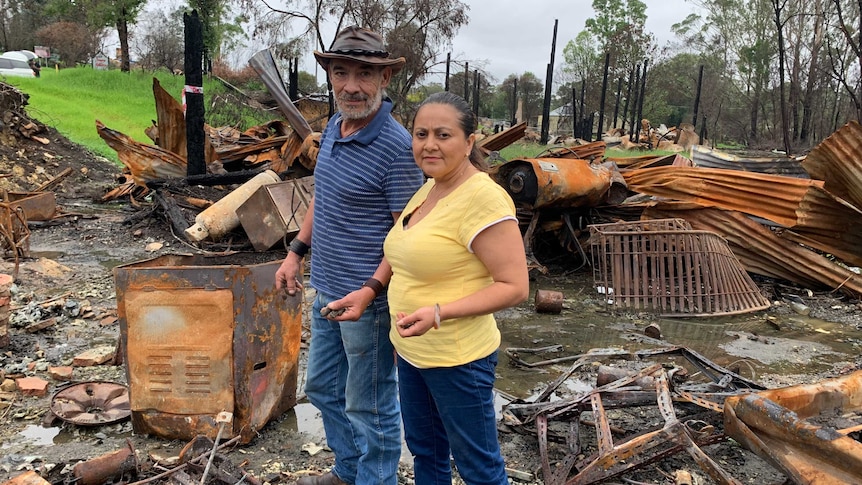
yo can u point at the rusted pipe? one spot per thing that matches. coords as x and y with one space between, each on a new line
106 467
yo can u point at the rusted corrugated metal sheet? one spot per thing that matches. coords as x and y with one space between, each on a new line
587 151
504 138
774 425
760 250
707 158
838 161
632 163
804 206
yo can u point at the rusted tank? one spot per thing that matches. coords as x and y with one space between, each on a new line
538 183
202 335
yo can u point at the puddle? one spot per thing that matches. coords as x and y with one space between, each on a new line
786 344
54 255
37 435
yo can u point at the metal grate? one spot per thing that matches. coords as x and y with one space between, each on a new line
664 266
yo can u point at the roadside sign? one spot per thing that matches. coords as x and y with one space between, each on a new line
100 61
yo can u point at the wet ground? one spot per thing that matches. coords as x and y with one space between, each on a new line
780 346
804 337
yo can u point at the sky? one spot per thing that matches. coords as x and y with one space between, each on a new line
514 36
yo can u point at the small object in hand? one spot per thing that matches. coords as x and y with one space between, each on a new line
407 325
330 313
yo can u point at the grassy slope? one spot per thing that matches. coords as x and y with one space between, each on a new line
71 100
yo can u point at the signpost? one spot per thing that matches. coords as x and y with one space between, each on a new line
100 62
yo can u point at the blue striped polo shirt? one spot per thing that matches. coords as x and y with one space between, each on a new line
359 181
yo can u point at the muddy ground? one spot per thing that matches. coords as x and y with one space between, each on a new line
69 276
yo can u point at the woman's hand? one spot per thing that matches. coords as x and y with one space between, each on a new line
417 323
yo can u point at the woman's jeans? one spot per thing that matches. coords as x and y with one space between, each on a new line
351 379
452 408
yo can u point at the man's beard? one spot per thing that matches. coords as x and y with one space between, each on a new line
372 104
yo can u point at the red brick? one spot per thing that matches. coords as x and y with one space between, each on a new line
62 373
32 386
96 356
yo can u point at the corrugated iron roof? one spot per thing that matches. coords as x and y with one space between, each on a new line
760 250
780 165
838 161
825 222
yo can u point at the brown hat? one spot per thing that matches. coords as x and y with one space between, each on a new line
361 45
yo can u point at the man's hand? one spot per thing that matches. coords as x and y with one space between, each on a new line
286 275
351 307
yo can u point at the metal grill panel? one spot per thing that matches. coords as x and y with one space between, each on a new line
664 266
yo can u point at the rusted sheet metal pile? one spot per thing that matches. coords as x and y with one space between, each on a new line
272 146
796 220
684 393
806 231
810 433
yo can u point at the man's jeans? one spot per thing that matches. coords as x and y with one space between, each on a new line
351 379
452 408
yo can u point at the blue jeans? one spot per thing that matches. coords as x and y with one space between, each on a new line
452 408
351 379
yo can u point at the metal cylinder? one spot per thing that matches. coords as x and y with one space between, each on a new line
106 467
549 301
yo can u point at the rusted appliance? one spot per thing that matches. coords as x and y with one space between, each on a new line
274 212
203 335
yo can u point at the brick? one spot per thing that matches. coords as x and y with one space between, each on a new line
95 356
109 320
32 386
61 373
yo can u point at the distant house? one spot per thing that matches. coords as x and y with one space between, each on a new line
559 120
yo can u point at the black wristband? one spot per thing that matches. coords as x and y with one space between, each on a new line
375 286
298 247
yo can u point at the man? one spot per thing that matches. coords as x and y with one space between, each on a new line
364 176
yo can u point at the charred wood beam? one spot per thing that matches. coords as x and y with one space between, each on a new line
172 211
231 178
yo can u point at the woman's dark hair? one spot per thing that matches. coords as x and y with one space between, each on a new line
466 118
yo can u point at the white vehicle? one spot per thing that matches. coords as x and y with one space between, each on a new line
15 64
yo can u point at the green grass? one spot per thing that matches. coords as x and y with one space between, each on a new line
71 100
532 150
522 150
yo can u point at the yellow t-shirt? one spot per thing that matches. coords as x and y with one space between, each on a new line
432 262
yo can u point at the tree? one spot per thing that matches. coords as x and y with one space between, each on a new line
741 34
531 92
619 30
161 41
845 50
417 30
119 14
19 20
72 42
219 31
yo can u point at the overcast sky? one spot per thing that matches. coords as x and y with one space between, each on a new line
514 36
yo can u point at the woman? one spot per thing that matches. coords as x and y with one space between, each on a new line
457 256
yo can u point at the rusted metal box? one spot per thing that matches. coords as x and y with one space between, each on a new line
274 212
37 206
201 335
